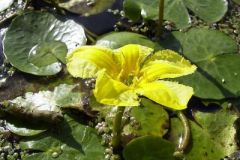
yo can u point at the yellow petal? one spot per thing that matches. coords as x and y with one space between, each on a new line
112 92
166 93
87 61
131 56
166 64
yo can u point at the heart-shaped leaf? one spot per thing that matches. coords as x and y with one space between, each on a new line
32 40
176 11
214 53
149 147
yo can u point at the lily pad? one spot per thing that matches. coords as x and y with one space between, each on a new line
152 119
86 7
149 147
33 32
176 11
46 53
213 136
4 4
214 53
118 39
71 140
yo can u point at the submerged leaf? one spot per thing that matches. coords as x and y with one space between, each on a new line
36 33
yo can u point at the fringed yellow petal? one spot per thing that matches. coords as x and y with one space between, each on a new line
87 61
166 93
112 92
131 57
166 64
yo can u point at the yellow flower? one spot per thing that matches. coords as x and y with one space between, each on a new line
131 71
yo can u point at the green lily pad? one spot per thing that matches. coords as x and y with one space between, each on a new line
4 4
118 39
86 7
214 53
46 53
149 148
152 119
71 140
37 32
208 10
213 137
176 11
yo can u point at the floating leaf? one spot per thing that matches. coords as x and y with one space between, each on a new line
176 11
118 39
37 32
152 119
149 147
4 4
213 137
218 64
71 140
46 53
86 7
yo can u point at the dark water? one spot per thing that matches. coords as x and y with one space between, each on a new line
98 24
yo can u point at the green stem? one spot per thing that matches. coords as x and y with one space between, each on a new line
186 135
90 33
117 127
160 17
92 37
